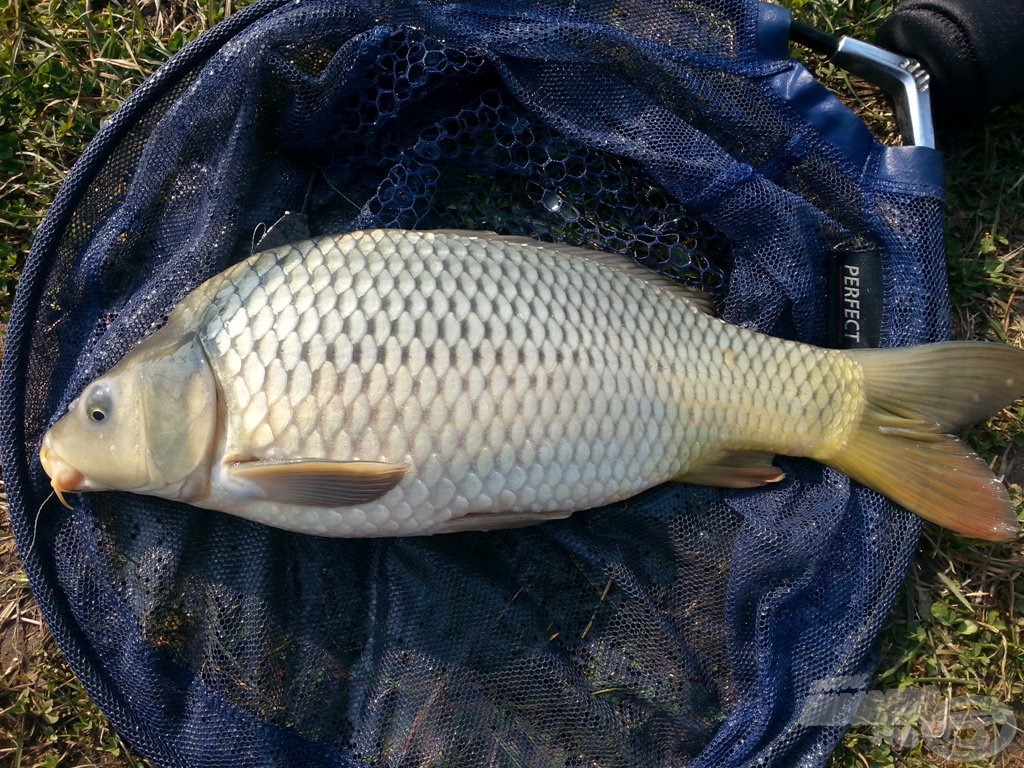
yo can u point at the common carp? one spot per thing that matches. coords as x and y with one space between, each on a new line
395 383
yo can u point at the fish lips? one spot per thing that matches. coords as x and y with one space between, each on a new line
63 477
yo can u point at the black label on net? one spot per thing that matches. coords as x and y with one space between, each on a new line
855 299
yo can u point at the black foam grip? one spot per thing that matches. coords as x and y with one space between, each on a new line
973 49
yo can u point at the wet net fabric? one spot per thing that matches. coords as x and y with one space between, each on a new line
688 626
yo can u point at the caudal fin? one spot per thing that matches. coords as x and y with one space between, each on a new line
903 447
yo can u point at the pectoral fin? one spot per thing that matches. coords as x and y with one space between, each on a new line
319 483
738 469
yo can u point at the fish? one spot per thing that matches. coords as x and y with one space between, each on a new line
401 383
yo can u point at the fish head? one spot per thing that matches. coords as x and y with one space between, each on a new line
147 426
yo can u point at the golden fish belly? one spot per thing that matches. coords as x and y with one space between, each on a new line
516 383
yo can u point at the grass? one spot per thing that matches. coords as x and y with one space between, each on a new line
64 67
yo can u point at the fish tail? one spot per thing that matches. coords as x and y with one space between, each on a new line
904 446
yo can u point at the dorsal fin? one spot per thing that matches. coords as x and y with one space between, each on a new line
615 261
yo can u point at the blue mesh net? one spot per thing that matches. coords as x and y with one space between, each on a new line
687 626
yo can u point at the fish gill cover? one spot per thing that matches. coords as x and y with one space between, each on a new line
687 626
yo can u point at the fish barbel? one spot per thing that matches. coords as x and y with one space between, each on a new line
391 382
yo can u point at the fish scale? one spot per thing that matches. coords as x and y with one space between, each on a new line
403 383
456 294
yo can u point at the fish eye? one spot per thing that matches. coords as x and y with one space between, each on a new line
99 403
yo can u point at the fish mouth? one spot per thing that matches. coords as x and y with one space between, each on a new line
63 477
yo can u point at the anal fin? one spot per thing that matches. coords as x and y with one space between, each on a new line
734 469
